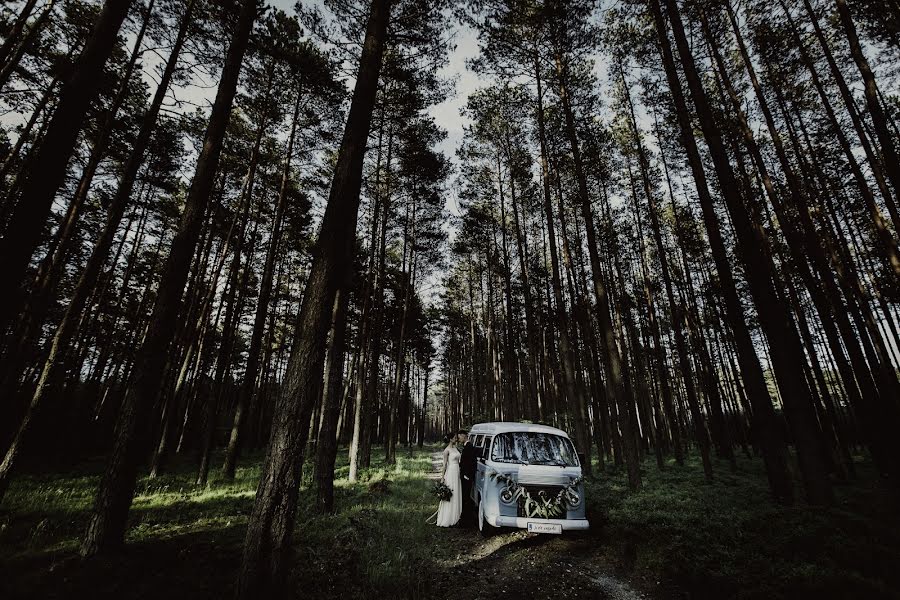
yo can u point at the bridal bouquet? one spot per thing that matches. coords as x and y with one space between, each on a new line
442 491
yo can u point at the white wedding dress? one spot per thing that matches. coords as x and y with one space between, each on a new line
449 511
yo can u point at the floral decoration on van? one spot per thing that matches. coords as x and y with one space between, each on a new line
542 506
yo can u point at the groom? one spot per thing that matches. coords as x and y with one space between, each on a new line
467 470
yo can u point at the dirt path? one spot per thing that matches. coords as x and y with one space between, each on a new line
517 564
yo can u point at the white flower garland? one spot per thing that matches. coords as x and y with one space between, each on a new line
542 507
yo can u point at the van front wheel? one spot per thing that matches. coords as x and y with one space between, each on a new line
484 528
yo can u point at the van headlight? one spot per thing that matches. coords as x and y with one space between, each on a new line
507 496
572 498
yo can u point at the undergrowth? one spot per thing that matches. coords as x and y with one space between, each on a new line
706 540
727 539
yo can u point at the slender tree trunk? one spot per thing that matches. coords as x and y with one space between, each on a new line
775 318
847 96
889 157
675 312
531 330
565 347
47 170
805 244
326 445
230 299
409 275
12 36
17 50
366 341
247 389
424 404
370 403
269 532
51 268
87 282
10 160
766 426
106 530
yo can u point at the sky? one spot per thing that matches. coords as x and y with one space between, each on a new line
447 114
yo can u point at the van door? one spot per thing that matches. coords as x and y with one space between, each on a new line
481 468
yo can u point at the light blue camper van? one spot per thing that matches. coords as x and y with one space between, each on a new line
527 476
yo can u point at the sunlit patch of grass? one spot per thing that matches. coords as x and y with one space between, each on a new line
377 541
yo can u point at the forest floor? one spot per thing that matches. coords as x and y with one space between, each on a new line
679 537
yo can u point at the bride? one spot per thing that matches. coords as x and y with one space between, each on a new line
450 510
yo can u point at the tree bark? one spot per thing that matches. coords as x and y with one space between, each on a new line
327 443
268 540
765 422
106 530
47 170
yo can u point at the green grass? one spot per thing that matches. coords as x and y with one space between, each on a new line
189 539
723 539
726 539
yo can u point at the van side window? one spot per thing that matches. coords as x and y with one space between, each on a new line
487 443
478 440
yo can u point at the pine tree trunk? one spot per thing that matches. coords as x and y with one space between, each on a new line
409 274
765 423
106 530
804 245
680 346
369 403
889 157
48 167
247 388
51 268
565 348
12 36
424 405
327 443
531 330
270 529
10 160
87 283
774 317
366 342
875 165
17 50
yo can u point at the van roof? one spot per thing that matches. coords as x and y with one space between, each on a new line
507 426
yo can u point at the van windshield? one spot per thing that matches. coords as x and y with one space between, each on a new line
534 448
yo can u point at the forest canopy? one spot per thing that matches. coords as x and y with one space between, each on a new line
240 236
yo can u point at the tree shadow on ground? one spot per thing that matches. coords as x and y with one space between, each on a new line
196 564
517 564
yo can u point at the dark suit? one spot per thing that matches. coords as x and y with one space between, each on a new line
467 466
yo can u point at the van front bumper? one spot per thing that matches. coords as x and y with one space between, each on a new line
522 522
